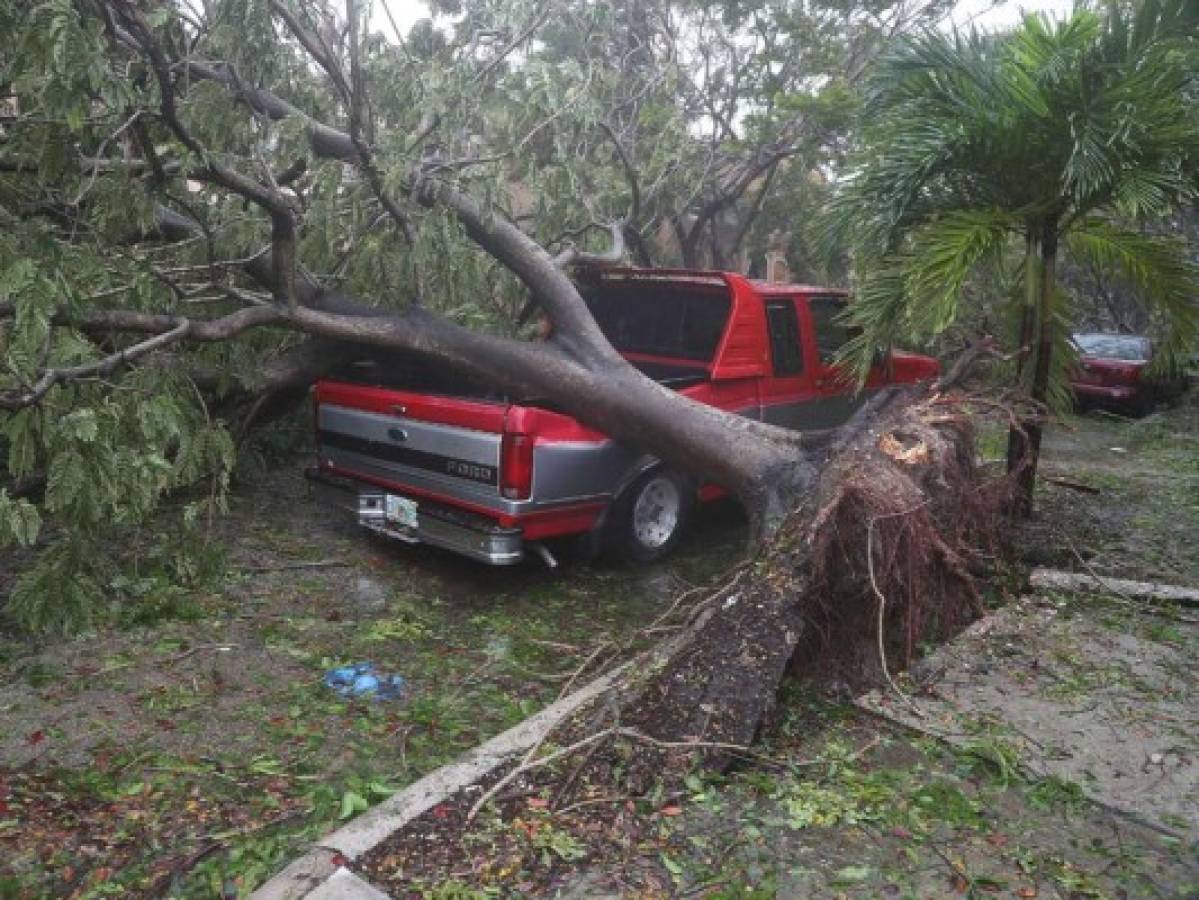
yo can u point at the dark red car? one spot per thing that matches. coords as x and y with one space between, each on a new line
1112 373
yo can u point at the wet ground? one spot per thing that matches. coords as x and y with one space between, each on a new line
1050 751
194 754
200 752
1141 518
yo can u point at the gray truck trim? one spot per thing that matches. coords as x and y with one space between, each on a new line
410 457
463 464
459 462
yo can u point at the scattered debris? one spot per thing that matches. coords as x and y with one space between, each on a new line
1072 485
1059 580
363 680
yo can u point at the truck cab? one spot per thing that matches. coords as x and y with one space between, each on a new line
490 476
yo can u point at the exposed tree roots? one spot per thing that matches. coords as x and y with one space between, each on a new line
874 562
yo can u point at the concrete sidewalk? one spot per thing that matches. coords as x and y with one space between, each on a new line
1102 693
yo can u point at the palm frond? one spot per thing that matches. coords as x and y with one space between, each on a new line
877 311
942 255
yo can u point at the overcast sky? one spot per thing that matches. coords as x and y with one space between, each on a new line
988 18
981 12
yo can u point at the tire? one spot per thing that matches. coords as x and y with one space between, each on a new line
648 519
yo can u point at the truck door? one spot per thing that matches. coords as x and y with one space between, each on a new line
787 393
836 395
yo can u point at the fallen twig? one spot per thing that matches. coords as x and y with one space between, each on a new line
594 801
583 666
178 657
285 567
1072 485
556 645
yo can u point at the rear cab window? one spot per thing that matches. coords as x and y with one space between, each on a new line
669 321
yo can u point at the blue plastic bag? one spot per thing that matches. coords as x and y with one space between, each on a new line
362 680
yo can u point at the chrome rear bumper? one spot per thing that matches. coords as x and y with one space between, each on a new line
437 524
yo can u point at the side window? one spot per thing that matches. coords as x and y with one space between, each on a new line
783 325
831 334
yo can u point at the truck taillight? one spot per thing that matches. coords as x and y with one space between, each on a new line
516 466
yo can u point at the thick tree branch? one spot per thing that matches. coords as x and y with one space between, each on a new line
316 47
131 321
632 221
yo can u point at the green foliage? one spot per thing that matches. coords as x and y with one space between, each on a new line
20 521
978 151
530 129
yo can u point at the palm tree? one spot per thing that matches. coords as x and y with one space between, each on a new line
1001 150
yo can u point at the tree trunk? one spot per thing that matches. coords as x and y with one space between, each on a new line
1036 334
1017 443
1037 327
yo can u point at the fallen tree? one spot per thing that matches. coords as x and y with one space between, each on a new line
874 561
159 65
897 465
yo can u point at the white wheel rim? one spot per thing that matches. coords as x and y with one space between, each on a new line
656 512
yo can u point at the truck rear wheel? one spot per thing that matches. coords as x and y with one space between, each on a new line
649 517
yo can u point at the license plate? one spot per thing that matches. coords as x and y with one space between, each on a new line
401 511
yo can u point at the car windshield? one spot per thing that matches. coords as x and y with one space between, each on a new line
1113 346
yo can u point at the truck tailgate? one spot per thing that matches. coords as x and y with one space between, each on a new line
411 440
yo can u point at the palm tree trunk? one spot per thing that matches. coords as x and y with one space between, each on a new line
1041 281
1017 442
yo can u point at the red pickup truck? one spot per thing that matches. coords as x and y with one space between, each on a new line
489 476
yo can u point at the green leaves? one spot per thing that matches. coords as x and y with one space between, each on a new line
917 292
357 801
19 521
34 297
1050 130
941 256
352 803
